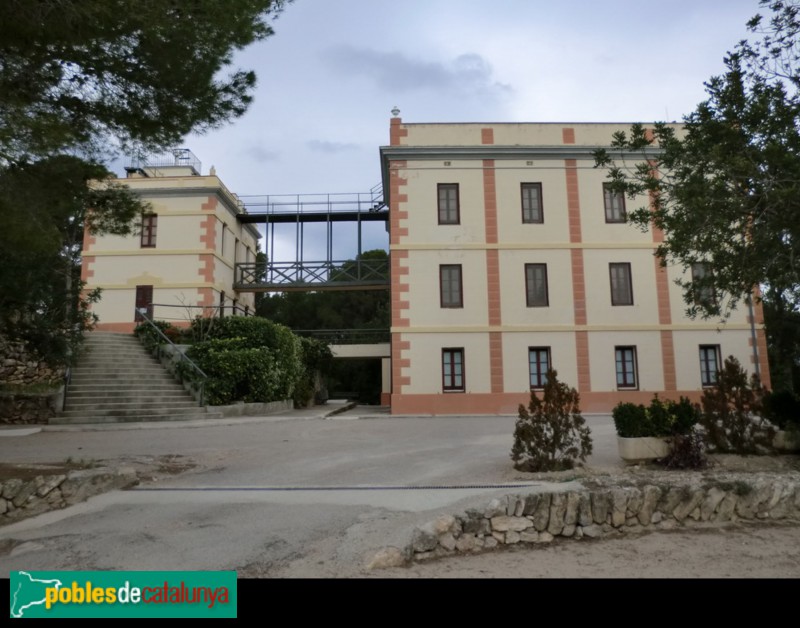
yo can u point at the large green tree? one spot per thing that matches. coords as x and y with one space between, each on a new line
725 186
80 81
76 73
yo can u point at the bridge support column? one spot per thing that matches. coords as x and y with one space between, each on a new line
386 381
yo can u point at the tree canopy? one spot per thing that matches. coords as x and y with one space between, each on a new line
80 81
725 187
77 73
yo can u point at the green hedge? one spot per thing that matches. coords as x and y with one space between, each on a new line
661 418
251 359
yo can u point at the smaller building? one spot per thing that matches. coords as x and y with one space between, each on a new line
180 263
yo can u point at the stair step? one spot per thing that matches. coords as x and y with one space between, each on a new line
110 403
144 418
133 411
141 391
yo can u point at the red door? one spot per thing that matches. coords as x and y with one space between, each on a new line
144 302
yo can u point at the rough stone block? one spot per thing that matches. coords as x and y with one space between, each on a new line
447 541
541 516
571 512
529 536
49 483
545 537
601 506
569 530
490 542
387 557
558 507
592 531
495 508
712 500
688 504
619 506
466 543
443 524
585 517
531 502
650 496
512 537
505 523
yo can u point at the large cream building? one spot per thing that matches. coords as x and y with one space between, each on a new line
509 255
181 263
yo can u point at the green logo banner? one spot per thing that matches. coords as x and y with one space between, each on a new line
88 594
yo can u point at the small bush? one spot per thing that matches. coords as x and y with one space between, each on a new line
660 418
630 420
733 410
237 372
782 409
688 452
150 338
551 434
316 359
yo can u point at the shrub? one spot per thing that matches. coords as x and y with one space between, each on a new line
660 418
630 420
238 372
688 452
316 359
150 338
733 410
782 409
551 434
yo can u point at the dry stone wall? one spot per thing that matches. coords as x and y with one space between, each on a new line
19 367
21 498
604 510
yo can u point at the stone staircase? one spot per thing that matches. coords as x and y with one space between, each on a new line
118 381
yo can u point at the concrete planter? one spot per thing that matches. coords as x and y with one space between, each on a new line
786 441
643 448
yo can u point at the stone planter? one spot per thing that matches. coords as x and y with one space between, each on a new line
643 448
786 441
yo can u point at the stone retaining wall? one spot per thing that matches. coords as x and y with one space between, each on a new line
21 498
29 408
21 368
603 510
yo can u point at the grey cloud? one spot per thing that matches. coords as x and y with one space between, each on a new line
261 154
330 147
467 73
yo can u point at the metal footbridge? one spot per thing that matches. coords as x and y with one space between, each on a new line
325 274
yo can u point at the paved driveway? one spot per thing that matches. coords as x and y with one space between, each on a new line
294 495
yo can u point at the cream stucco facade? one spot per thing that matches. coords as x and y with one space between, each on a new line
181 260
472 321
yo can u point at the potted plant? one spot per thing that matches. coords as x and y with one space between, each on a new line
646 433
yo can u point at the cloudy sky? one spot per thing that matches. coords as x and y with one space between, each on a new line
329 77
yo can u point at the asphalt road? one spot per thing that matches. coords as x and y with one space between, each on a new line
295 496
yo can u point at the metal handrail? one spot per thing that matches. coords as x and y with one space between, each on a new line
67 379
346 336
181 356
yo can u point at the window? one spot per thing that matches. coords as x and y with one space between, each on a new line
538 364
702 288
450 285
448 204
621 287
149 228
532 203
614 203
453 369
536 285
709 364
626 367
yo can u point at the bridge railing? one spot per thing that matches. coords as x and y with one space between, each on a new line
346 336
332 273
276 204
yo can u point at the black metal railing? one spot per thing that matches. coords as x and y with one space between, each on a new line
346 273
184 365
347 336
